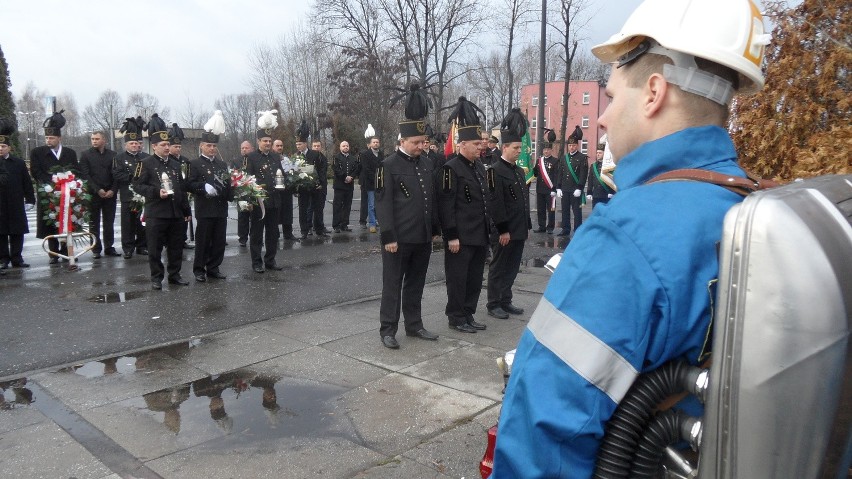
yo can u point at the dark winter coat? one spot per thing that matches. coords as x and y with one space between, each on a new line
17 191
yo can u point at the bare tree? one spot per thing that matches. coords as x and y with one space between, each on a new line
240 113
105 114
144 105
514 23
73 125
585 67
193 114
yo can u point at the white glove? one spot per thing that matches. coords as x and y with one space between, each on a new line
552 194
609 195
29 206
577 193
210 190
558 193
588 197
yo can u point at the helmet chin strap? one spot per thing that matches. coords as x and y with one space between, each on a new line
685 72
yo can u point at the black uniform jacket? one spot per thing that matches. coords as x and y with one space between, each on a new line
597 188
369 164
405 199
580 165
123 169
320 163
263 167
42 160
148 182
17 191
203 171
510 199
554 171
96 168
462 201
344 166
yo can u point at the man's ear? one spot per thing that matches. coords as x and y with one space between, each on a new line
655 92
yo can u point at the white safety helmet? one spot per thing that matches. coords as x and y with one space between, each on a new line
727 32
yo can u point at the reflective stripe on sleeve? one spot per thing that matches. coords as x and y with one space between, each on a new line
586 354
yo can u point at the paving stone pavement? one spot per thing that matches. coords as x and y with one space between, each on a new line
313 394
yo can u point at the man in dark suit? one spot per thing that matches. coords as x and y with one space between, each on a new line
311 157
243 217
263 163
166 209
597 190
405 205
318 194
510 211
42 160
575 169
370 160
133 236
462 205
96 168
16 198
548 173
176 137
208 182
346 168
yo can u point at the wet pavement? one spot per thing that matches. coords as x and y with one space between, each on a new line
274 375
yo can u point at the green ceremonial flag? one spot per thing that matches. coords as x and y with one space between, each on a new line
526 155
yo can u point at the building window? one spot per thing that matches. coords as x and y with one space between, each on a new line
532 147
584 146
545 100
545 122
587 98
585 122
535 101
532 123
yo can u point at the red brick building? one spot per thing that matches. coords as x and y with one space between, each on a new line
586 102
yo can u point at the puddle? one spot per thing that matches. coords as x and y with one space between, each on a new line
120 297
15 395
140 362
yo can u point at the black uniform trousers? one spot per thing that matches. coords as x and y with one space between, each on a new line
11 248
405 272
571 205
341 208
542 205
168 233
311 211
209 245
264 232
362 214
502 273
243 223
305 219
464 281
286 212
132 231
106 207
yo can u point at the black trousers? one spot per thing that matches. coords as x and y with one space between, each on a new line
342 206
286 213
362 215
264 232
209 245
102 207
305 219
243 224
403 272
571 205
132 232
11 247
168 233
546 217
316 210
464 281
502 273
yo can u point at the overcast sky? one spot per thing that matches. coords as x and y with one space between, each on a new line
168 49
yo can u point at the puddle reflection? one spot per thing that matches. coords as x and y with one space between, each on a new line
15 394
141 362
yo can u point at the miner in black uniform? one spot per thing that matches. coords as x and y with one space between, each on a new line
346 168
17 196
263 163
462 205
492 149
285 212
547 172
133 236
176 137
405 206
510 212
575 169
311 157
597 190
96 167
210 184
42 160
158 179
318 194
243 217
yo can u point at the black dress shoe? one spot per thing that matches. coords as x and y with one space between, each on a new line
512 309
142 251
322 233
337 230
200 278
477 326
346 228
390 342
111 252
274 267
128 254
259 269
465 328
309 233
550 232
564 233
156 285
498 313
96 256
422 334
243 244
540 230
53 260
4 265
178 280
20 265
216 275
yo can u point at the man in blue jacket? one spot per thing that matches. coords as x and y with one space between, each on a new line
634 288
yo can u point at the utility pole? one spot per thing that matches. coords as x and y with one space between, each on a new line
539 131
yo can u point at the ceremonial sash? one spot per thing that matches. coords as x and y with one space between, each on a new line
576 180
598 176
542 171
